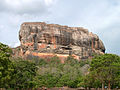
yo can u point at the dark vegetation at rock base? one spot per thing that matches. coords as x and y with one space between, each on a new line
49 73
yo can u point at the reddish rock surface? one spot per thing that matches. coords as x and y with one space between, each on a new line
46 40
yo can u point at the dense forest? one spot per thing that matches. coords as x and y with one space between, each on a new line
101 71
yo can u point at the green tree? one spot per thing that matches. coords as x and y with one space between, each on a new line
24 73
6 66
106 68
69 75
47 80
88 81
70 60
56 74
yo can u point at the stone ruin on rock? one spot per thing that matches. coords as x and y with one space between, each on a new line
46 40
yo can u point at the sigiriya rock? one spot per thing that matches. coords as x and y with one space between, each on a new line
46 40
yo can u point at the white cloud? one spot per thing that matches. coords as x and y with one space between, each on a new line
1 27
49 2
26 6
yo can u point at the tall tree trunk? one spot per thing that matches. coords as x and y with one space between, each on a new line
102 86
109 85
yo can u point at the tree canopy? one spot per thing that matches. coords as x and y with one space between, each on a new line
6 66
37 73
106 69
24 73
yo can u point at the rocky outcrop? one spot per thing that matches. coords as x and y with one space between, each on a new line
44 40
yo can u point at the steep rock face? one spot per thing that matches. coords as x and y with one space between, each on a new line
41 39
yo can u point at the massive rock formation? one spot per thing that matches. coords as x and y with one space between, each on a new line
45 40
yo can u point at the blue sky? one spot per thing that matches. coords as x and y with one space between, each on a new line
101 17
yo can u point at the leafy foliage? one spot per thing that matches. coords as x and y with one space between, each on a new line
56 74
36 73
6 66
24 73
106 69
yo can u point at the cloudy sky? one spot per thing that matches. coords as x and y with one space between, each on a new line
101 17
